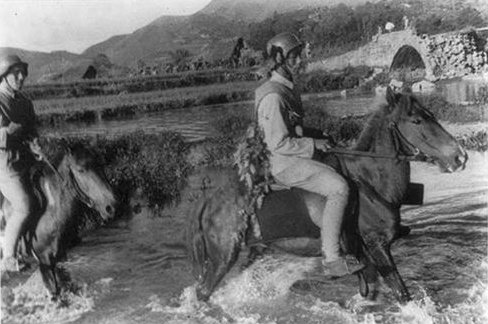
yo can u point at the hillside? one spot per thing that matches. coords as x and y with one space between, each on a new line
256 10
44 65
154 42
212 32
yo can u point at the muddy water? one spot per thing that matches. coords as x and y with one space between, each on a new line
135 270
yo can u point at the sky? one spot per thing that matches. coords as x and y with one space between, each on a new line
74 25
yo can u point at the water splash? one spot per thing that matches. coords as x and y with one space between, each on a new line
31 303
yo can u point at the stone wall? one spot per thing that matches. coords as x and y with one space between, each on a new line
456 54
445 55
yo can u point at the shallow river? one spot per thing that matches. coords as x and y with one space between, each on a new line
196 123
135 271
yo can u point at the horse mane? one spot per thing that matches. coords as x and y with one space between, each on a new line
373 123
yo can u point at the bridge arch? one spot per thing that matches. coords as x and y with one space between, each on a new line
408 64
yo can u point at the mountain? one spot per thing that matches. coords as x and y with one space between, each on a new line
210 33
155 42
256 10
62 65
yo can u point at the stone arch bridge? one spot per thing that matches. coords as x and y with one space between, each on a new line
439 56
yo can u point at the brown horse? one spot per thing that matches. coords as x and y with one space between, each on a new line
61 194
400 131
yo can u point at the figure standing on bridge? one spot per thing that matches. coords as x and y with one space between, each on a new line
280 115
18 141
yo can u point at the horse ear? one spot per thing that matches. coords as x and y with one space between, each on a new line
390 96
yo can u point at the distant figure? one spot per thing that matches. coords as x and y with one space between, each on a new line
90 73
405 22
389 26
307 50
236 53
378 34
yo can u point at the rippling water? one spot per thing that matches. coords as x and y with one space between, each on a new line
135 270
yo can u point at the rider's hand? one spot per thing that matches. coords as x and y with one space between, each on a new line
321 144
13 128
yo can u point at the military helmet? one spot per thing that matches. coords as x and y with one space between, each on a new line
9 61
285 41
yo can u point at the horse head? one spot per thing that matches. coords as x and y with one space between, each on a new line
90 181
416 129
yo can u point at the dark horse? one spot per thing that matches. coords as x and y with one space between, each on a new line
59 199
400 131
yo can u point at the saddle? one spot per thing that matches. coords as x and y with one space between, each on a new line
284 214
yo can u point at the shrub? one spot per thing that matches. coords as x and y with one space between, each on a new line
155 164
476 141
446 111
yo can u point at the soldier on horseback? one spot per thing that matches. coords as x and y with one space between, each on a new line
18 142
280 115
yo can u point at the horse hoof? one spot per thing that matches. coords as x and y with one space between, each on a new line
363 285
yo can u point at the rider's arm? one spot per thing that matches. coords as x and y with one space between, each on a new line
276 134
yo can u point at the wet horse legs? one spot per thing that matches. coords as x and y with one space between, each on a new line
377 224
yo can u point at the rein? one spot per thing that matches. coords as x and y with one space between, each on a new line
398 140
373 155
78 192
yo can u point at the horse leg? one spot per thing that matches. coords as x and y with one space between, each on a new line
255 252
377 224
368 280
47 266
380 253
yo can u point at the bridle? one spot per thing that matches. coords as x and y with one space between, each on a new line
79 194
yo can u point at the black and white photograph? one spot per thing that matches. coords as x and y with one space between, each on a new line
244 161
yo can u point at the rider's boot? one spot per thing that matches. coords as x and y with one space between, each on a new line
344 265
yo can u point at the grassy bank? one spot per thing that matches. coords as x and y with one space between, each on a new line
153 166
103 87
89 109
126 103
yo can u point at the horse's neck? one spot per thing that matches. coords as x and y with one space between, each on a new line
390 176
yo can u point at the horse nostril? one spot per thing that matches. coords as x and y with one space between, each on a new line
109 209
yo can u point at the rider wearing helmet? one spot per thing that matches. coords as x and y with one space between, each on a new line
279 112
18 139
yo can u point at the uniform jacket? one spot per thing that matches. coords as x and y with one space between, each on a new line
279 111
13 147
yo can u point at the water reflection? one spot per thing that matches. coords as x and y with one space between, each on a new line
461 90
